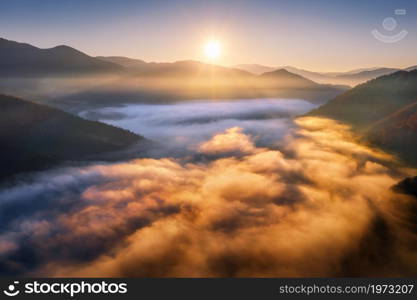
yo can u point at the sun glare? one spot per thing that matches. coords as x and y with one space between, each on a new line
212 49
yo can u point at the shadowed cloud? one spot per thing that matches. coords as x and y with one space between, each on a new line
246 211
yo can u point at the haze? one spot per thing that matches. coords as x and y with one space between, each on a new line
264 32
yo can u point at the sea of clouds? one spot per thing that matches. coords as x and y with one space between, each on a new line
321 205
186 124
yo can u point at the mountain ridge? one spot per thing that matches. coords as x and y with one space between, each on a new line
35 136
351 78
25 60
383 111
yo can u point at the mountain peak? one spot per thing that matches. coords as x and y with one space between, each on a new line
13 44
63 47
284 74
279 72
18 59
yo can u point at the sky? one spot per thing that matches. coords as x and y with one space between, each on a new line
316 35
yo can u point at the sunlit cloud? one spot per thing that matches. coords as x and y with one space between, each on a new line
232 141
321 206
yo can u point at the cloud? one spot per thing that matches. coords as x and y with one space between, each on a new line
321 206
191 123
233 140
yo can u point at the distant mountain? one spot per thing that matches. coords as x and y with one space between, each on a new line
363 76
350 78
189 69
354 71
24 60
260 69
194 68
383 109
411 68
255 68
282 77
370 102
408 186
34 136
24 68
315 76
126 62
188 80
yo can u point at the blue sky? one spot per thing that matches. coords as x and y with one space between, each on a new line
320 35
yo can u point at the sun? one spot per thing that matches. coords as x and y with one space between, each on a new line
212 49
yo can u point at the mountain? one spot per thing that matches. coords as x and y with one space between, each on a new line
411 68
255 68
191 80
351 78
363 76
52 76
315 76
24 60
370 102
407 186
354 71
125 62
397 133
282 77
190 69
384 110
34 136
260 69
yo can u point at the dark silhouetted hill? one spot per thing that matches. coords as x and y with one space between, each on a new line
190 80
255 68
126 62
363 76
74 79
372 101
190 69
397 133
34 136
285 78
407 186
384 110
24 60
351 78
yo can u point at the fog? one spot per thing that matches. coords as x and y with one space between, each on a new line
186 124
320 205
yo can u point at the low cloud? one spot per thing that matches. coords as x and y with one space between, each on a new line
320 206
233 140
190 123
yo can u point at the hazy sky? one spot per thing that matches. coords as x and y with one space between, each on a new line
318 35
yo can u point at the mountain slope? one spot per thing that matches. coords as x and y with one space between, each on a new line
351 78
283 77
24 60
372 101
384 110
397 133
190 69
190 80
34 136
315 76
363 76
255 68
123 61
24 69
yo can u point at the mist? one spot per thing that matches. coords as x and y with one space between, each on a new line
321 205
186 124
